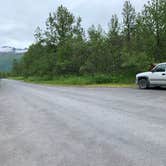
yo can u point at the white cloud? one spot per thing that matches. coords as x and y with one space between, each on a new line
19 18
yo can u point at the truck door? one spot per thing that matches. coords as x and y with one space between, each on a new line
158 75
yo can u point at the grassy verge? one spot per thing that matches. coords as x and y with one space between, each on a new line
90 81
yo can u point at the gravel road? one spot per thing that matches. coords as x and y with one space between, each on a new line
75 126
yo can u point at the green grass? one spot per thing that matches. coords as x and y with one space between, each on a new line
89 81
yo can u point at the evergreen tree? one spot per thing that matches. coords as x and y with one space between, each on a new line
129 16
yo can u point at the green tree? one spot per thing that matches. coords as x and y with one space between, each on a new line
64 49
114 45
97 51
129 16
59 26
38 35
114 27
154 22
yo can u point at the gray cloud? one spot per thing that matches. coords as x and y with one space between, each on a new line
19 18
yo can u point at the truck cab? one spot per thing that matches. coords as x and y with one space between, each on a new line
155 77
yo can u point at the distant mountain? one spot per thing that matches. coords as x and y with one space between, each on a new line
13 50
7 56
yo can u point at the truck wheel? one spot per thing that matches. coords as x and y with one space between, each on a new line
143 83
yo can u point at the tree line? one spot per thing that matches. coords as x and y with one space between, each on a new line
4 74
65 48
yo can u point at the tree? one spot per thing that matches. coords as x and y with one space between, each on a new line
59 26
38 35
64 49
114 44
78 30
114 27
129 16
155 23
38 61
98 55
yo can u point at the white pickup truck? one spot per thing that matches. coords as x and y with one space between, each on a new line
155 77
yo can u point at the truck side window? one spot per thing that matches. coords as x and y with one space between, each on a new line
160 68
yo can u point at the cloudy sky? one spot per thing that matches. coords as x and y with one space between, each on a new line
19 18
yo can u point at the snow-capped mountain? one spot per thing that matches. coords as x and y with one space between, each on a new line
13 50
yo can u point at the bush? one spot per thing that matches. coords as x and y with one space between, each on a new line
101 79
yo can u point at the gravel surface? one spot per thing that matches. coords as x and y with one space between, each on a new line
74 126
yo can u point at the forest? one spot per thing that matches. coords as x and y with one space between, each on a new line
64 48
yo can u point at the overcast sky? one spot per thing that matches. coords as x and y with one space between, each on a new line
19 18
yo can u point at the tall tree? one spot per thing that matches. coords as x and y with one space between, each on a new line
114 26
155 22
60 26
38 34
129 16
114 44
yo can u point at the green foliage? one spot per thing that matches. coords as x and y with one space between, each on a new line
138 63
154 25
64 53
100 79
61 26
97 79
4 74
114 27
129 16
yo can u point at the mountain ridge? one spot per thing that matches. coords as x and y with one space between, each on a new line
8 55
12 50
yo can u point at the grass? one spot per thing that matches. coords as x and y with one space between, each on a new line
88 81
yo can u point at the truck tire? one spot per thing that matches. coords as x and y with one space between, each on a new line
143 83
